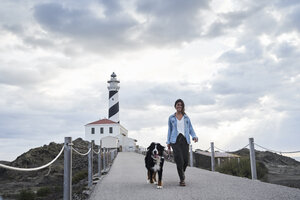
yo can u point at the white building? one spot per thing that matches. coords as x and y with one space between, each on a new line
112 134
110 131
110 142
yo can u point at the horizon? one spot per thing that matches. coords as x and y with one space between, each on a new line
235 64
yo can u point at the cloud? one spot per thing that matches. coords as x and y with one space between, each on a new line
286 50
15 76
142 94
286 3
253 18
237 70
172 22
86 28
111 26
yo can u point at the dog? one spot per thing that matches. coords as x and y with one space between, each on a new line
154 162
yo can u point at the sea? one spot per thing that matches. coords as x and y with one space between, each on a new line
296 158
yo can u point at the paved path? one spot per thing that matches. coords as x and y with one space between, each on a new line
127 181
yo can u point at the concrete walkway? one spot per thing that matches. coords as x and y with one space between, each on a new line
127 181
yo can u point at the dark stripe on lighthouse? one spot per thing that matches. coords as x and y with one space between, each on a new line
113 110
112 93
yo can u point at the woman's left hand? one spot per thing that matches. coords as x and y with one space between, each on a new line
195 139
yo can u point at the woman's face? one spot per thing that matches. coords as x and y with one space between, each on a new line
178 107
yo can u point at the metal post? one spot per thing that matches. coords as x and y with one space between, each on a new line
106 158
104 162
252 159
99 161
68 168
90 165
191 156
212 156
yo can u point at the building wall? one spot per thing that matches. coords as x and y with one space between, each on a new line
127 144
130 144
97 136
110 142
123 130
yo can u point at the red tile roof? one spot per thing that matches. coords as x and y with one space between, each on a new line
103 121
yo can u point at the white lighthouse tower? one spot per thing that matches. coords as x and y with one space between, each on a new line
113 88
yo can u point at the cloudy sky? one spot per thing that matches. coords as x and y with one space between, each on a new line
235 63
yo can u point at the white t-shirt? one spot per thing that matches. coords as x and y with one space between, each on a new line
180 126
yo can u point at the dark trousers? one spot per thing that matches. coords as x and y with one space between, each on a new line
181 155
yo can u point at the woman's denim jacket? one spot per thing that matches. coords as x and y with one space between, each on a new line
173 132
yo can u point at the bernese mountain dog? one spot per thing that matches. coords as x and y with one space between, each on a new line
154 162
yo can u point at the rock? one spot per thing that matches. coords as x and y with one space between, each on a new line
282 170
12 182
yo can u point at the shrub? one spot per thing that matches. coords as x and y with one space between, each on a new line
242 169
58 189
43 191
26 195
79 176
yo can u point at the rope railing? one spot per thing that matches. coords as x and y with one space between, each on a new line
208 149
33 169
231 151
280 152
96 151
82 154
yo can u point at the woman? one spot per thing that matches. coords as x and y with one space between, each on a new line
179 131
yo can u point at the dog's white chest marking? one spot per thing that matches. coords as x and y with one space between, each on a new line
156 167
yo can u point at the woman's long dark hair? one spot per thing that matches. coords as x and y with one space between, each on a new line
182 103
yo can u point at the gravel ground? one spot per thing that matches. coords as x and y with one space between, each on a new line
127 180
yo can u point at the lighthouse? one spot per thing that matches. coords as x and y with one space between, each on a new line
109 131
113 88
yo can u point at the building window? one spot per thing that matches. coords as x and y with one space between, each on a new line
110 130
101 130
93 130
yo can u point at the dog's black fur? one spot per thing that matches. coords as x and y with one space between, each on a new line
154 162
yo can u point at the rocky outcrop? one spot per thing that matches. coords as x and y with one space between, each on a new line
282 170
49 179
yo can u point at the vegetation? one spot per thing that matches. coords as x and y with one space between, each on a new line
243 168
26 195
79 176
43 191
